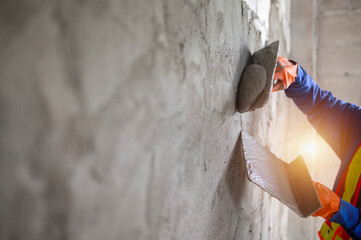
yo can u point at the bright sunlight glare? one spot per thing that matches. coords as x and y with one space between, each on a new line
309 148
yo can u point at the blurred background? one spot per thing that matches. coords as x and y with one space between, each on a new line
118 118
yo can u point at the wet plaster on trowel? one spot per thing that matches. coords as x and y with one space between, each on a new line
256 82
252 84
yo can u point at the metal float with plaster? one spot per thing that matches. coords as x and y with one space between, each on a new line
290 183
255 87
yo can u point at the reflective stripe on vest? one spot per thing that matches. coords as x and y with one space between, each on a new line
332 231
352 182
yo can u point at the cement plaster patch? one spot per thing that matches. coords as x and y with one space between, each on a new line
252 84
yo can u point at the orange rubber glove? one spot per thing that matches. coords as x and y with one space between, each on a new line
285 74
329 200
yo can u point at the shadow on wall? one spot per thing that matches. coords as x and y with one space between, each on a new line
235 174
226 204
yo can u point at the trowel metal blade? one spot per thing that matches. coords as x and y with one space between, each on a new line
289 183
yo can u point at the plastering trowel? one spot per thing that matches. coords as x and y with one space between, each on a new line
256 82
289 183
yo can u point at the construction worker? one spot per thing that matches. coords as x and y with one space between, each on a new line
339 123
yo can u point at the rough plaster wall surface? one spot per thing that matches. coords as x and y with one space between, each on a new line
118 121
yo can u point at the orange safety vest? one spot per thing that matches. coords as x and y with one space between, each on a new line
348 189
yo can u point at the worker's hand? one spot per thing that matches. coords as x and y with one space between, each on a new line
285 74
329 200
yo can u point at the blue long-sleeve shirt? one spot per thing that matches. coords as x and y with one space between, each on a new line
338 122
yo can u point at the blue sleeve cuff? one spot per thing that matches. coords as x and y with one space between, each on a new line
300 76
348 217
303 91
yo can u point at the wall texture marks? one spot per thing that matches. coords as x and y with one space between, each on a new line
118 120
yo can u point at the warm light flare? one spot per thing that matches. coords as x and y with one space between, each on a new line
309 148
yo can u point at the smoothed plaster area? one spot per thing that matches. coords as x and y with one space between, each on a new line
118 120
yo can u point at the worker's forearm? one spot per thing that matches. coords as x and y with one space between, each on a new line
306 93
349 218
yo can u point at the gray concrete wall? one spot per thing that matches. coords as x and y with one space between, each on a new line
118 120
339 48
